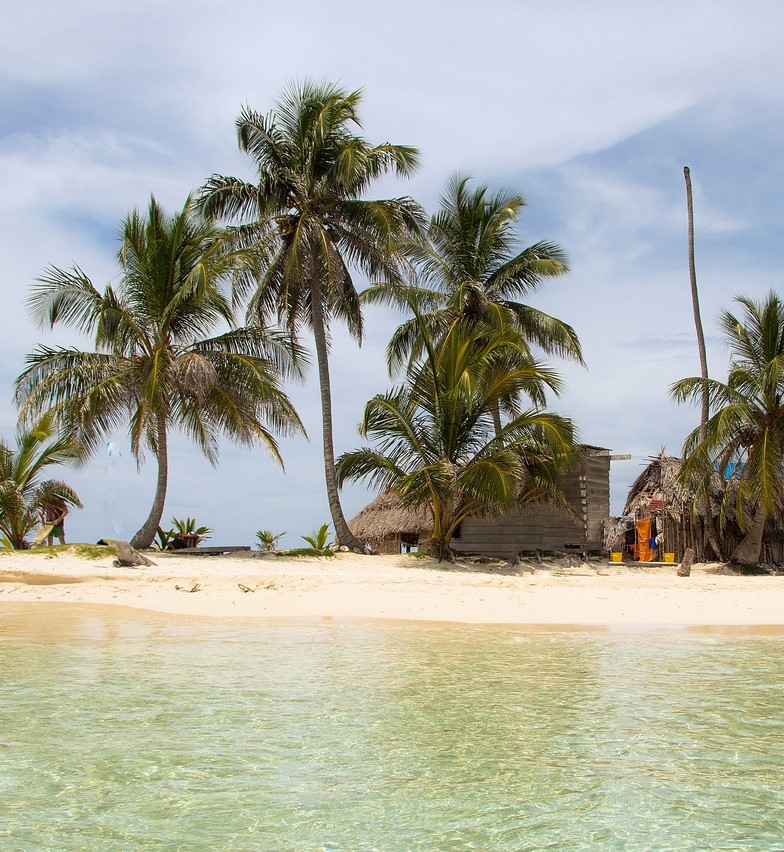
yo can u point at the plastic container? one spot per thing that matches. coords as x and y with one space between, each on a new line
669 557
616 557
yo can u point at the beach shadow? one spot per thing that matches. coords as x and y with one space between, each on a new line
29 579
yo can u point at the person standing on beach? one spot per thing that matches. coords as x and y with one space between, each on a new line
55 515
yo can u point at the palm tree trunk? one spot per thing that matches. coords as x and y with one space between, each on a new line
146 534
695 304
709 527
749 550
343 534
495 410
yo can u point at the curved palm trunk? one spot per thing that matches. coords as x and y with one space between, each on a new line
343 534
748 552
146 534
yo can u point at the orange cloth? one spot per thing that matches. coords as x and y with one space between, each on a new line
645 552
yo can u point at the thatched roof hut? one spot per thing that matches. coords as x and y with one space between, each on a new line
658 486
659 493
389 526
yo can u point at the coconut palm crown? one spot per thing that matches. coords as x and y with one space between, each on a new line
744 437
154 367
307 214
469 268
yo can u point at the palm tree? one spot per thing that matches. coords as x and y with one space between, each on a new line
307 214
745 433
435 439
470 269
153 368
23 495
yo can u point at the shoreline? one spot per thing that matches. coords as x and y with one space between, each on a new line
48 619
558 594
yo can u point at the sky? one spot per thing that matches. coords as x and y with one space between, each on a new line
590 109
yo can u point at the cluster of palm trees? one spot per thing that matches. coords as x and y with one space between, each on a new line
288 247
465 431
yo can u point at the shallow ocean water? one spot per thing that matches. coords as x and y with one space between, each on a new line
124 730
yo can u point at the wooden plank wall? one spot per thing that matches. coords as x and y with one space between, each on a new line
541 528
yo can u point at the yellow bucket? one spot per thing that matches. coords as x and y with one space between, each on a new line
669 557
616 557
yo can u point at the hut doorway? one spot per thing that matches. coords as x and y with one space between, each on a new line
409 542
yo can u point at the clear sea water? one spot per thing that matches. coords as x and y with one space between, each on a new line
134 731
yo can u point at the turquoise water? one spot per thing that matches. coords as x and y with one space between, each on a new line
128 731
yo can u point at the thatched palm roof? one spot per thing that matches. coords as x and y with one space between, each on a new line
659 484
386 516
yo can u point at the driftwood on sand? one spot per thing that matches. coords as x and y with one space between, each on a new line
684 569
127 556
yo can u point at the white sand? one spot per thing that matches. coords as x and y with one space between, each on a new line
399 587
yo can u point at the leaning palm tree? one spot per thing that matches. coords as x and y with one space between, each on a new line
436 444
153 368
744 437
307 214
469 268
23 494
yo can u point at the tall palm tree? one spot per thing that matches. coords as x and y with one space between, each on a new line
153 368
23 494
307 213
436 442
469 268
745 433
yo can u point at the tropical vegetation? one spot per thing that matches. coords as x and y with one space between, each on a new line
743 439
155 368
24 495
309 219
181 528
319 539
435 441
465 432
469 268
268 540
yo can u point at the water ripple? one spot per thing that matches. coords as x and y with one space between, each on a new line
120 735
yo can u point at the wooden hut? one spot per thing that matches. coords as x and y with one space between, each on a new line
389 527
659 494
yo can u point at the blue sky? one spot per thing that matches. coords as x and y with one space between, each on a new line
590 109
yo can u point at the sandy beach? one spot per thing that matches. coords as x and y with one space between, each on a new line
351 586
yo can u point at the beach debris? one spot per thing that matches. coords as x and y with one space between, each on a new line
684 569
245 588
523 565
127 556
196 587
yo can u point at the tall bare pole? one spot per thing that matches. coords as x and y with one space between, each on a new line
709 530
695 303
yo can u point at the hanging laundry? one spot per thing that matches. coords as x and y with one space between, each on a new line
645 553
